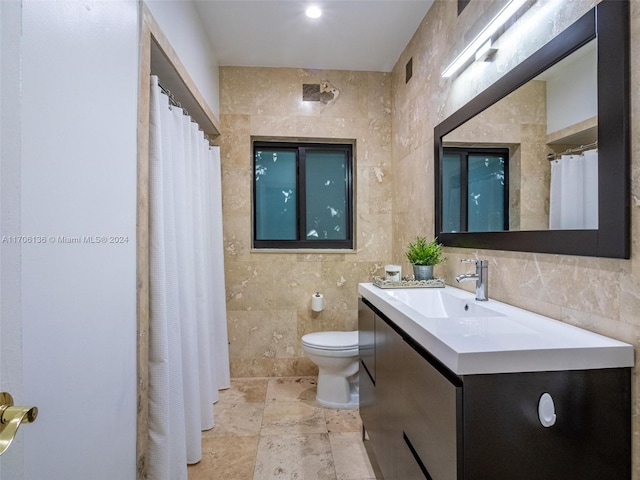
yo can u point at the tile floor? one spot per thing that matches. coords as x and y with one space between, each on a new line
272 428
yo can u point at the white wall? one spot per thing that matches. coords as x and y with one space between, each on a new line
10 311
180 22
572 91
78 161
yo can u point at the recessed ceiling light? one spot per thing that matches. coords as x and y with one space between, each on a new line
313 12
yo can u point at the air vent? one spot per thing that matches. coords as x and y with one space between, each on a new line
311 92
408 70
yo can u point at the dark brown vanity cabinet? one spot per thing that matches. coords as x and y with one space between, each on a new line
380 379
407 407
425 422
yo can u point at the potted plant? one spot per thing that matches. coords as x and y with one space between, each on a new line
423 255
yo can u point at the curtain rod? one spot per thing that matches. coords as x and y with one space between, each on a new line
175 103
581 148
172 99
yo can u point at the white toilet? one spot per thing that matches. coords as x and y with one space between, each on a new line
336 355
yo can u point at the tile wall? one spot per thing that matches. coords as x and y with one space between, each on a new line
269 294
602 295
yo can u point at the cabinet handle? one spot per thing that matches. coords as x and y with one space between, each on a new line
546 410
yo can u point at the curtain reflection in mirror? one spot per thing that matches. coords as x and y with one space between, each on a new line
574 192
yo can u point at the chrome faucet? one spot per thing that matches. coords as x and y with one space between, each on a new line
481 277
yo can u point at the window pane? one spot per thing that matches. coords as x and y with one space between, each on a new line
451 192
486 193
326 195
275 192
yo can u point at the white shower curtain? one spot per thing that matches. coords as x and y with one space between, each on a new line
188 348
573 200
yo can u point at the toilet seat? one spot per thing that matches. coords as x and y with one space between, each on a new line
331 340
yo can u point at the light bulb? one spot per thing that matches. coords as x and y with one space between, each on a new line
313 12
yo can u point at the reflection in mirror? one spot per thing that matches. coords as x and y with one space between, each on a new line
479 203
542 129
544 113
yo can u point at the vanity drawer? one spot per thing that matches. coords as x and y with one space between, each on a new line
367 340
367 401
412 466
431 415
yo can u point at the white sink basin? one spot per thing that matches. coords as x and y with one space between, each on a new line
471 337
439 303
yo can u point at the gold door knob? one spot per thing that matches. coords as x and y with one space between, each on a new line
11 418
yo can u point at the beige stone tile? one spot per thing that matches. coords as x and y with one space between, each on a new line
343 420
250 390
292 389
272 367
236 193
374 239
294 457
341 293
252 367
252 336
281 418
570 284
379 180
350 457
288 367
327 320
237 242
237 419
228 458
272 282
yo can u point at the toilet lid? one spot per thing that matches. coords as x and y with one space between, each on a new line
332 340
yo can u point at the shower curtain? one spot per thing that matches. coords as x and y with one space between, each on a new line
573 202
188 349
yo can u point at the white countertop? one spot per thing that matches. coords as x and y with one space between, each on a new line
502 339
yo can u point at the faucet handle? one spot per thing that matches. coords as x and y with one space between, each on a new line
478 262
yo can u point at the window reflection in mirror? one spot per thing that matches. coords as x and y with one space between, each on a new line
551 115
475 189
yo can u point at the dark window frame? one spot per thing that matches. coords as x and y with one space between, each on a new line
301 242
464 153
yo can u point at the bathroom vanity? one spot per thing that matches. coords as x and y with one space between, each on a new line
452 388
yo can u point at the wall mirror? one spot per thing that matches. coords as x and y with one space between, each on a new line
494 157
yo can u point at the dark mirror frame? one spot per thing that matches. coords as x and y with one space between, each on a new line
609 23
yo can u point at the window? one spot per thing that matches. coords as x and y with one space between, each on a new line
475 189
302 195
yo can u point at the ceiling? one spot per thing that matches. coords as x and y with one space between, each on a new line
364 35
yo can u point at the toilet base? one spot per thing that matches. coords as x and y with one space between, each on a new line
335 391
354 402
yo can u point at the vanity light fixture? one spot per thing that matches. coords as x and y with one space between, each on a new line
485 35
485 51
313 12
